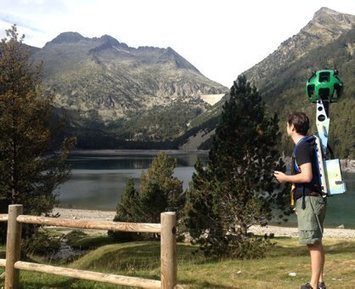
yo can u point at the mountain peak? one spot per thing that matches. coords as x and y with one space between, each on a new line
332 19
68 37
324 11
170 55
325 27
110 40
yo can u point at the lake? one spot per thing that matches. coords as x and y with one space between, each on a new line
99 178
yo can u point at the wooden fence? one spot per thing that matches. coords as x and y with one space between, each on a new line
12 263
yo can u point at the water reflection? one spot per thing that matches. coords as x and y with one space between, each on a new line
129 160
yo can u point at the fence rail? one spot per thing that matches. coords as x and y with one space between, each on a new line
89 224
12 263
3 217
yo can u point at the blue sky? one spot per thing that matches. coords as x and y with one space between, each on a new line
222 38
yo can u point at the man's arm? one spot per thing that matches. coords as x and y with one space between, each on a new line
305 176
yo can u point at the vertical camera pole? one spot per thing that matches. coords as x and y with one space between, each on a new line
323 88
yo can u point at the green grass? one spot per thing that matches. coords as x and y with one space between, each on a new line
194 271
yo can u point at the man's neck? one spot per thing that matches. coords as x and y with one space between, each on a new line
297 137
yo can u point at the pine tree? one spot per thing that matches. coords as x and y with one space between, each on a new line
128 210
159 191
128 207
153 201
236 190
29 173
160 176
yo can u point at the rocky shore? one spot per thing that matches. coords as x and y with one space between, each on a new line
84 214
338 233
278 231
347 166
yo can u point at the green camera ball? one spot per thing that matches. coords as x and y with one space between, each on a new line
325 85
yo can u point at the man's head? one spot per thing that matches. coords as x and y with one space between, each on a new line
299 122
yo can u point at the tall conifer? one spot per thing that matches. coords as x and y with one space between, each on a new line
29 173
236 190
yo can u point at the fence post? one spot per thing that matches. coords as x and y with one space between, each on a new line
168 274
13 247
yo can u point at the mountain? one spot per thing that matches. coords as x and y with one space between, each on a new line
326 27
327 41
103 85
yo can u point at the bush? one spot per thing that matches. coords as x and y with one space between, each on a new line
251 247
42 243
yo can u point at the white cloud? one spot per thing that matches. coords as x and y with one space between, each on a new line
222 38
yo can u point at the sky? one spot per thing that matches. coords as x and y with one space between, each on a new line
221 38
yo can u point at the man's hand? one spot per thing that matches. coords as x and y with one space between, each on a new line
281 177
305 176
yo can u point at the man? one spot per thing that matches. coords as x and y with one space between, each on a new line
309 203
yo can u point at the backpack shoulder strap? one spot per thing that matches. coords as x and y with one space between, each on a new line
309 139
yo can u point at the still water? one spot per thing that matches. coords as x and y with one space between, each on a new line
99 178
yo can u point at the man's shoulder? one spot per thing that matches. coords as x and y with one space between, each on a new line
304 152
306 142
304 145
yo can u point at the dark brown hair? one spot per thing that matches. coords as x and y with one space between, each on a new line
300 122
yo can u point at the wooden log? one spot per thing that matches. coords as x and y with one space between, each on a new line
91 224
2 262
89 275
13 247
168 250
3 217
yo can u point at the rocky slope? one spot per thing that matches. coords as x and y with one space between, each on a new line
111 79
326 41
326 26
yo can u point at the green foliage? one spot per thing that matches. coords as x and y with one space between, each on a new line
236 189
128 210
157 123
160 177
42 244
159 191
128 207
29 173
249 246
153 201
154 128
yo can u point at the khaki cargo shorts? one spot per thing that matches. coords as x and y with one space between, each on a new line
310 220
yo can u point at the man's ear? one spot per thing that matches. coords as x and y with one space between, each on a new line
292 127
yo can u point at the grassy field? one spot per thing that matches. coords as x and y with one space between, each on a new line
142 259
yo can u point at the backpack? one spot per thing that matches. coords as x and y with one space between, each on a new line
317 176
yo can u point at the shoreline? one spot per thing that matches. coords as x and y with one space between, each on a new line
278 231
347 165
133 152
